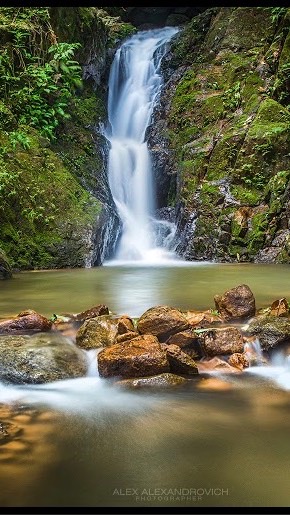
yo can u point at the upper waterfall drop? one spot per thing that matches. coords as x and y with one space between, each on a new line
134 85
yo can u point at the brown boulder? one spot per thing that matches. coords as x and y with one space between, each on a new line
180 362
236 303
126 336
97 332
183 338
125 324
223 341
202 318
95 311
26 321
141 356
160 381
162 321
279 308
238 360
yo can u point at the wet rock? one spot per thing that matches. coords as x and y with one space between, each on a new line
125 324
215 364
270 330
26 321
95 311
279 308
223 341
97 332
188 341
160 381
180 362
236 303
194 350
141 356
162 321
238 360
43 357
126 336
183 338
202 319
5 269
8 431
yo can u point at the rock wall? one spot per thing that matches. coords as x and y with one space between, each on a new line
220 137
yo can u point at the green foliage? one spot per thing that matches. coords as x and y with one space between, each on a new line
232 97
277 13
16 137
37 78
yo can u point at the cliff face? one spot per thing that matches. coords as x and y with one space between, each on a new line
221 138
55 202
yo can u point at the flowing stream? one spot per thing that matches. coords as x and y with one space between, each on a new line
134 85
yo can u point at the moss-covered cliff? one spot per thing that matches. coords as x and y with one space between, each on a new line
224 118
54 198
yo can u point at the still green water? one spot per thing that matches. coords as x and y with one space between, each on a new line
132 290
86 443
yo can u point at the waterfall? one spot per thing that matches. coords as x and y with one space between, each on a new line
134 85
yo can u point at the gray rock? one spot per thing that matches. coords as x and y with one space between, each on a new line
270 330
40 358
160 381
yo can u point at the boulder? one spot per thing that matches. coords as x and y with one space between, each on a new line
162 321
40 358
95 311
183 339
180 362
97 332
26 321
280 308
221 341
125 325
202 319
236 303
238 360
270 330
126 336
160 381
141 356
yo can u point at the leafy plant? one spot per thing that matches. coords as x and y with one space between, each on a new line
232 97
20 137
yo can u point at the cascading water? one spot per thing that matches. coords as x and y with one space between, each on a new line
134 85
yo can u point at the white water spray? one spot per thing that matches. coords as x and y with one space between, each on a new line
134 85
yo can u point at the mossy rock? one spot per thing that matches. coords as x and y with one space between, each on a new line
47 218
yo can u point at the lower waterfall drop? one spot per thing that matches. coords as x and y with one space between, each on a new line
134 85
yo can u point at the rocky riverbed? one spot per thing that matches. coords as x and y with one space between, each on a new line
164 345
162 349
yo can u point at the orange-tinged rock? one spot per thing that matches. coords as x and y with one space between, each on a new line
162 321
221 341
236 303
141 356
26 321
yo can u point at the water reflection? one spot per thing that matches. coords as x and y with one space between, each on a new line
219 444
132 290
